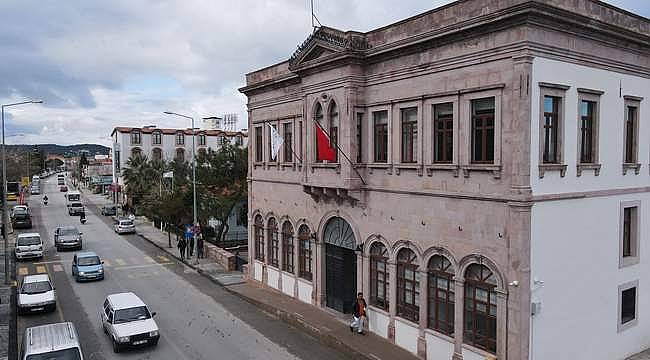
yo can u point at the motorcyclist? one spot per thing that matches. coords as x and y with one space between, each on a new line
82 218
45 199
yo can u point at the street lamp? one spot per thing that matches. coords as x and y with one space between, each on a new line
194 215
4 185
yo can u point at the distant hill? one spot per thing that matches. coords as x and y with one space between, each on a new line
92 149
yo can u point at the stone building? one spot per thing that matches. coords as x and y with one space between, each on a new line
487 196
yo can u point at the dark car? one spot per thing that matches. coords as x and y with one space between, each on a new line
63 188
67 237
109 210
23 220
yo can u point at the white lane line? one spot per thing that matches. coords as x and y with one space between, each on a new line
47 262
141 266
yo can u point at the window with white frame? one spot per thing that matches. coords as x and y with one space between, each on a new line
629 233
628 305
409 126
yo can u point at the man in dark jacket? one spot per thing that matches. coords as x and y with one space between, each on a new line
359 314
181 247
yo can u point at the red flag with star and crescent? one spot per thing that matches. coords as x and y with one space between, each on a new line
325 150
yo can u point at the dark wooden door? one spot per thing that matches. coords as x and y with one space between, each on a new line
341 278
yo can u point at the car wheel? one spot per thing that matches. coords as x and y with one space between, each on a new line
116 347
155 342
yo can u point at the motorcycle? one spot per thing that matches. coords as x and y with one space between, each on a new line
45 201
82 219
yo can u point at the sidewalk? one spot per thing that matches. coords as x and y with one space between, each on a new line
8 325
324 326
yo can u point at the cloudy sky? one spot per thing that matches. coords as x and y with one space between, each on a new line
100 64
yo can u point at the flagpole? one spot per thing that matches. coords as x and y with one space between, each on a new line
342 152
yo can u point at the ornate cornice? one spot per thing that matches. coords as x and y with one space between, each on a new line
332 39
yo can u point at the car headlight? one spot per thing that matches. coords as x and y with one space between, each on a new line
18 250
40 247
123 339
82 273
153 333
100 271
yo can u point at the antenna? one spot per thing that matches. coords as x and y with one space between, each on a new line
313 17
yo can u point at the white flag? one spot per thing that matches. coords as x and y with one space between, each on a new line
276 142
169 174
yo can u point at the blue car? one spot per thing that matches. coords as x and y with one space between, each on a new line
87 266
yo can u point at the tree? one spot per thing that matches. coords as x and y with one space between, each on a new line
139 177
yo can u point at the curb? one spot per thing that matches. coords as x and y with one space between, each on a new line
292 319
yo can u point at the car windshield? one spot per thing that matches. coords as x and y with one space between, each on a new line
132 314
88 260
126 223
20 211
68 232
66 354
29 240
38 287
73 197
76 205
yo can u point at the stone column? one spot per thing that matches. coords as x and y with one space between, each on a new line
280 255
296 260
392 299
502 309
459 294
318 269
265 246
424 312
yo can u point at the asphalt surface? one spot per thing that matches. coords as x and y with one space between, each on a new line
197 319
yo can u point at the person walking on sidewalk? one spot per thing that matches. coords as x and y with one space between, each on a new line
181 247
199 246
359 314
190 246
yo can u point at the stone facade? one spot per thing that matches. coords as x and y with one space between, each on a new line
470 212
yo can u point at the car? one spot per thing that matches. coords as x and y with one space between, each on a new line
51 341
128 321
36 294
75 208
124 226
35 190
21 220
18 209
66 237
29 245
109 210
63 188
87 266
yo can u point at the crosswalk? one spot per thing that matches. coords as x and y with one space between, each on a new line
41 267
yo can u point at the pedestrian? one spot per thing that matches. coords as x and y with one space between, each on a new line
359 314
181 247
199 246
190 246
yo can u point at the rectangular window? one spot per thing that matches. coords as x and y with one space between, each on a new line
136 138
156 138
359 138
630 135
628 305
202 140
483 111
258 144
117 161
629 233
180 138
551 129
380 138
409 118
587 134
288 141
443 133
271 159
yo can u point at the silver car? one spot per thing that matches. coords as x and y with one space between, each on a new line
51 341
128 321
67 237
124 226
36 294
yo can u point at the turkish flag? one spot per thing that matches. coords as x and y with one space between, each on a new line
325 151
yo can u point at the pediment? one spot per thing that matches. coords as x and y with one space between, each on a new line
325 42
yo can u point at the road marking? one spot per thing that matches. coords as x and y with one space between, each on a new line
57 267
163 258
47 262
149 260
40 269
120 262
23 271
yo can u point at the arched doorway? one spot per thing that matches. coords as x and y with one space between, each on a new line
340 265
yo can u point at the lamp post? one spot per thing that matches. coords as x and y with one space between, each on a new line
4 185
194 215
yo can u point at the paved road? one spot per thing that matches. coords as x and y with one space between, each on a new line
198 320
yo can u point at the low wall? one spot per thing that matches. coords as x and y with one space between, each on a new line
221 256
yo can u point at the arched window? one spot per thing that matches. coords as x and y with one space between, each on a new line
259 238
334 128
287 247
273 242
379 284
408 285
136 152
441 295
136 137
156 138
480 327
304 252
156 154
318 117
180 154
180 138
202 140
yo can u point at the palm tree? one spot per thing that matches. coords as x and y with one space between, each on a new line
138 176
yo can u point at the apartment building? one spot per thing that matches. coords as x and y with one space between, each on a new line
491 174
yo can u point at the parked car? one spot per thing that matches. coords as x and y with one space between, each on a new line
63 188
19 209
29 245
21 217
124 226
87 266
67 237
109 210
35 190
75 208
127 320
36 294
51 341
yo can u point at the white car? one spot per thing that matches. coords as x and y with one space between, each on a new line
128 321
36 294
124 226
29 245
